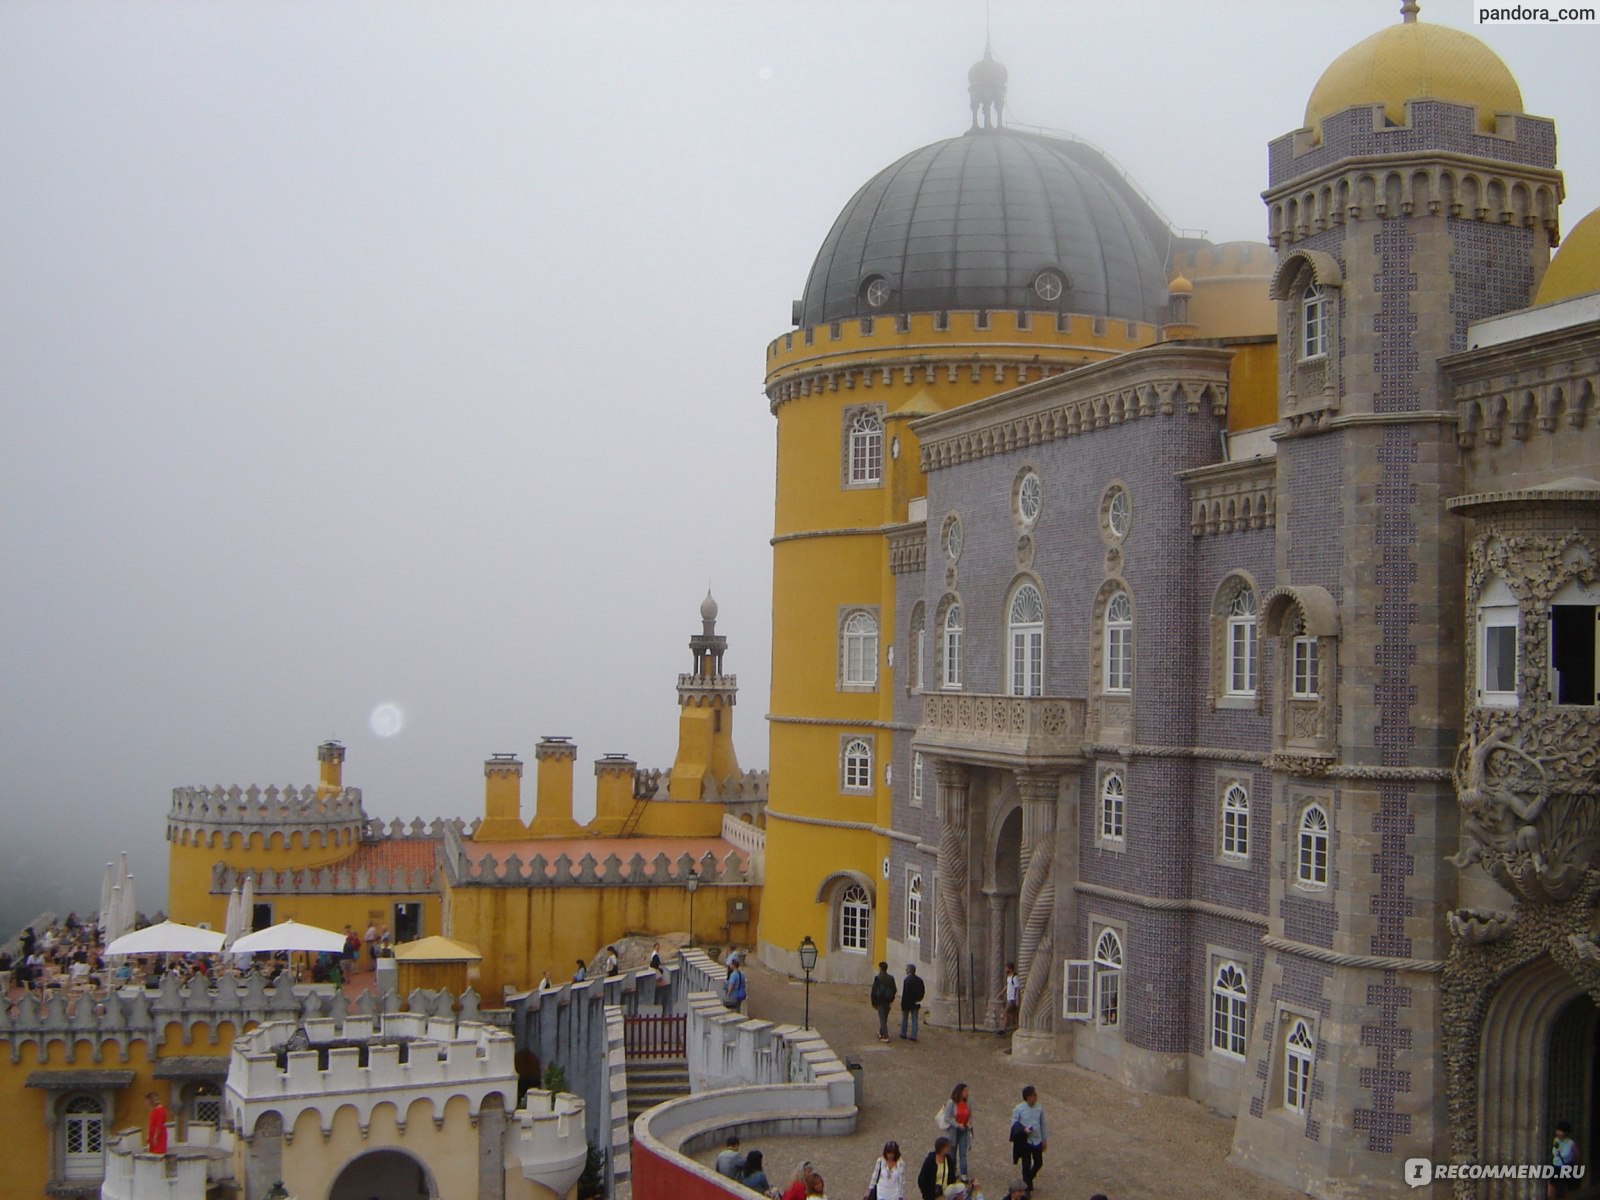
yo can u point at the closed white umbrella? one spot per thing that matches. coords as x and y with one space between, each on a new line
130 910
114 928
232 926
290 935
107 882
169 937
247 904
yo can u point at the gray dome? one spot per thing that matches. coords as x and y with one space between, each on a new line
971 222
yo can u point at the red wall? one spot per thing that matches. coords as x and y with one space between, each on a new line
656 1177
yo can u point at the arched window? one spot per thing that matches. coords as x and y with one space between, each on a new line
1313 322
1307 681
1108 978
860 650
1235 822
1119 643
1112 797
1229 994
952 647
1311 864
1027 642
1499 623
1300 1052
855 919
1242 643
918 647
914 906
866 448
858 765
85 1124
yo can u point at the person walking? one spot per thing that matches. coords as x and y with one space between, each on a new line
1563 1154
156 1126
911 994
883 994
1013 997
888 1180
957 1118
1029 1139
733 991
938 1171
371 939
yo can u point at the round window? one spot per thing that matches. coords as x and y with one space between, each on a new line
951 538
1030 496
877 292
1119 513
1048 286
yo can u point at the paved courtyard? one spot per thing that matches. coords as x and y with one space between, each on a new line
1102 1138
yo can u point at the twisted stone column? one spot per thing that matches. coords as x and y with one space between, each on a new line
995 1014
951 874
1036 960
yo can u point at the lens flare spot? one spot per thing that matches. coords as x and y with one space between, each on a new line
387 720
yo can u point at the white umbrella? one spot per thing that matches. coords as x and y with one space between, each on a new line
130 911
290 935
247 903
169 937
232 926
107 882
114 925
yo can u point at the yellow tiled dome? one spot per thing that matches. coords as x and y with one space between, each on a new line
1415 61
1575 270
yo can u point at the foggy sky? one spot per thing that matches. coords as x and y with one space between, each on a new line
359 354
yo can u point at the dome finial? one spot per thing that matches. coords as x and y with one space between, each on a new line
986 88
1409 11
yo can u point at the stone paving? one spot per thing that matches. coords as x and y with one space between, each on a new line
1102 1138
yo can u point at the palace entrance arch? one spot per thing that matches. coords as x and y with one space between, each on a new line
386 1175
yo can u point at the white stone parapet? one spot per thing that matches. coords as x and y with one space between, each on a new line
365 1061
550 1143
750 838
185 1172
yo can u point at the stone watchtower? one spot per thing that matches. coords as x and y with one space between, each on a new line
1417 198
705 713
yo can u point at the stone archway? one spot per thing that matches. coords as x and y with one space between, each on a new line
385 1174
1004 876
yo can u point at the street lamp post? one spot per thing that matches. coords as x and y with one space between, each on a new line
693 885
808 964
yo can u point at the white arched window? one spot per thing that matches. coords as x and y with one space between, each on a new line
855 919
1314 322
858 765
1119 643
1311 864
84 1128
1242 644
866 448
1108 978
1300 1053
952 647
1112 799
1235 822
914 906
1027 642
1229 995
1498 628
860 651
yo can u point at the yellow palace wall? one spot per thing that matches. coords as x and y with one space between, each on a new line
189 864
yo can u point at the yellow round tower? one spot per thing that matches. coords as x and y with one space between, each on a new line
970 266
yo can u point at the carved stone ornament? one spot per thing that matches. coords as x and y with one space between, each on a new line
1479 926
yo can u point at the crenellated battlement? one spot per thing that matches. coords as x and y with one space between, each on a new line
202 816
487 867
323 881
654 783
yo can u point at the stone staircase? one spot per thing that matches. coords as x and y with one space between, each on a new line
652 1080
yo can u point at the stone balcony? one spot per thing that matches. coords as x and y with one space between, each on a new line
1005 731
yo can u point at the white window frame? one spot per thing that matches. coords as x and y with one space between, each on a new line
1230 1006
866 449
1574 595
952 631
1119 644
1113 809
1299 1063
1305 668
1314 323
1077 989
855 773
860 650
83 1122
1235 831
1312 841
1498 611
913 905
916 777
1026 639
1242 653
1108 967
855 919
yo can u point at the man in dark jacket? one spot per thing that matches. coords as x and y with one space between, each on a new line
911 994
883 994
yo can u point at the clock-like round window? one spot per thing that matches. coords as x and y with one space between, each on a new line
877 292
1119 513
1048 286
1030 497
951 538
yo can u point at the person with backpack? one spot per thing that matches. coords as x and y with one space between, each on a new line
733 991
911 994
884 991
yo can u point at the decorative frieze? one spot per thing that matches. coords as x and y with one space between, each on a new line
1004 730
1233 497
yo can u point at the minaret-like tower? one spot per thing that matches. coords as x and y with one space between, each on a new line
705 713
1417 198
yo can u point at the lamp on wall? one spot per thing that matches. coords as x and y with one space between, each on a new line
808 964
278 1192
